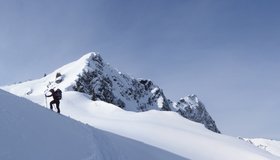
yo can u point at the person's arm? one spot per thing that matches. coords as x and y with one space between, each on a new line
48 95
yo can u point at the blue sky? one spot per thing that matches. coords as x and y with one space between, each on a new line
226 52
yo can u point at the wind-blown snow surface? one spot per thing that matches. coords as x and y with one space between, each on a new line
162 129
32 132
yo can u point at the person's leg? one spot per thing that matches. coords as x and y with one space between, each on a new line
51 104
57 106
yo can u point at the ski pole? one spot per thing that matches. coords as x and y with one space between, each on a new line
46 100
45 92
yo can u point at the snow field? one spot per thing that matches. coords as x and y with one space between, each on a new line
29 131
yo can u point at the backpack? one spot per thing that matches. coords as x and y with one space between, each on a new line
58 94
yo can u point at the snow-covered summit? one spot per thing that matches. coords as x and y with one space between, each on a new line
91 75
103 82
166 130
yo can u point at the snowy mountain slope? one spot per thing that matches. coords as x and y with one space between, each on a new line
32 132
91 75
268 145
162 129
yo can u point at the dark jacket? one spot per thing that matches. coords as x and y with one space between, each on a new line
53 95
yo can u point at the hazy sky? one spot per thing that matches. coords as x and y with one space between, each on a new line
226 52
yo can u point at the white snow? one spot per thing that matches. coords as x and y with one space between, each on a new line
31 132
161 129
160 101
164 130
271 146
155 90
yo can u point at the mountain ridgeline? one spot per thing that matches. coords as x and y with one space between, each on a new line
102 82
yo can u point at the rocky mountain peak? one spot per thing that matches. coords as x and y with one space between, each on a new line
96 57
192 108
103 82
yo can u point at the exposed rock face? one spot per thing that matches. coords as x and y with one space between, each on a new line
105 83
192 108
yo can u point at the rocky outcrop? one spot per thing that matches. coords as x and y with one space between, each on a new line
192 108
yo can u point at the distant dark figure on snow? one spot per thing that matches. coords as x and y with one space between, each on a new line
57 95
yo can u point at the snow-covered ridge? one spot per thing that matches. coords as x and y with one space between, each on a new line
105 83
91 75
